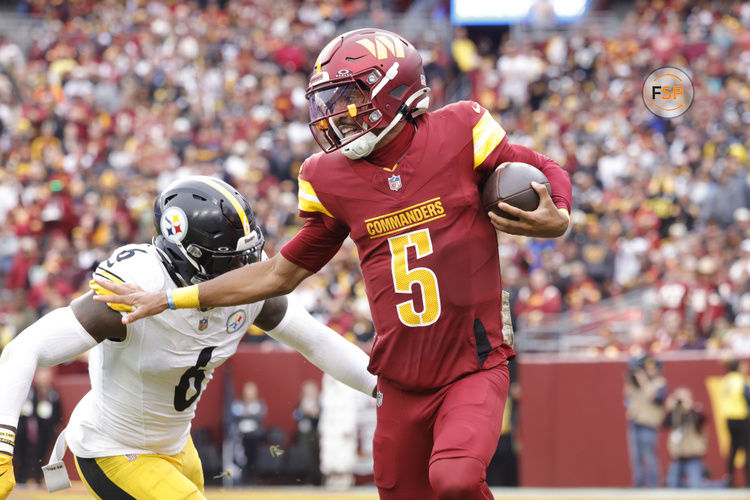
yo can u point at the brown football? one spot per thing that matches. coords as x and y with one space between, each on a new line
511 183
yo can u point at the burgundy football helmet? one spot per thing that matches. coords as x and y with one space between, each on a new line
364 82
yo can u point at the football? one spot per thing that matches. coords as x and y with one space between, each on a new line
511 183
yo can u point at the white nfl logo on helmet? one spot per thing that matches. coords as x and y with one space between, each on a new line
174 224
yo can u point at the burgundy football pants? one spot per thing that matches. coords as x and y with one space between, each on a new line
436 445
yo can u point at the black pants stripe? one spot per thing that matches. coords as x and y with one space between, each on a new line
99 482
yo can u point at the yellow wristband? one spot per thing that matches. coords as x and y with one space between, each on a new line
7 441
186 298
565 213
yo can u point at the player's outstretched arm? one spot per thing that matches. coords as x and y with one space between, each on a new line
255 282
284 319
547 221
55 338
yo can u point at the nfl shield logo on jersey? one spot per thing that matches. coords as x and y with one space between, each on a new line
203 324
394 182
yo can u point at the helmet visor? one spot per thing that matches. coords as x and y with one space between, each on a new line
220 263
337 115
217 262
334 100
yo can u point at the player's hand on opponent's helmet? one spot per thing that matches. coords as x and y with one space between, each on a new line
144 303
7 478
544 222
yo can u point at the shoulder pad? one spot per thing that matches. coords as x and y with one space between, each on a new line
135 264
462 113
310 166
309 202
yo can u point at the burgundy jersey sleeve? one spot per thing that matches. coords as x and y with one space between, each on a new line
315 244
322 234
308 202
559 181
491 148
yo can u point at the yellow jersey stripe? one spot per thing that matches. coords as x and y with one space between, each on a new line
233 200
311 206
487 135
100 290
306 188
308 200
109 275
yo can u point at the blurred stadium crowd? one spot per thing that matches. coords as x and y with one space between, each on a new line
113 100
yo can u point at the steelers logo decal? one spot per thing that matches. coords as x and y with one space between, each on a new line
174 224
235 321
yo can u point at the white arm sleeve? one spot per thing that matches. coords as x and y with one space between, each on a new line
55 338
324 348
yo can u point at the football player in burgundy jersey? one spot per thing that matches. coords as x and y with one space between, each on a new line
404 185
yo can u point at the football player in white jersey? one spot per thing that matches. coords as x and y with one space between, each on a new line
131 433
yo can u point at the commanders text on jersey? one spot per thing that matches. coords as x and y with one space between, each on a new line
413 216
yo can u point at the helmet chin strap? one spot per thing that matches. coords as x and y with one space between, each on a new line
189 258
185 254
364 145
171 269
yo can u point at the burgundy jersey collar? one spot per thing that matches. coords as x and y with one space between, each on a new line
391 153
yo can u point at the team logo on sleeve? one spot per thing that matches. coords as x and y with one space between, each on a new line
394 182
174 224
235 321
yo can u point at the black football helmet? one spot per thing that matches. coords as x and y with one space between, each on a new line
203 228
